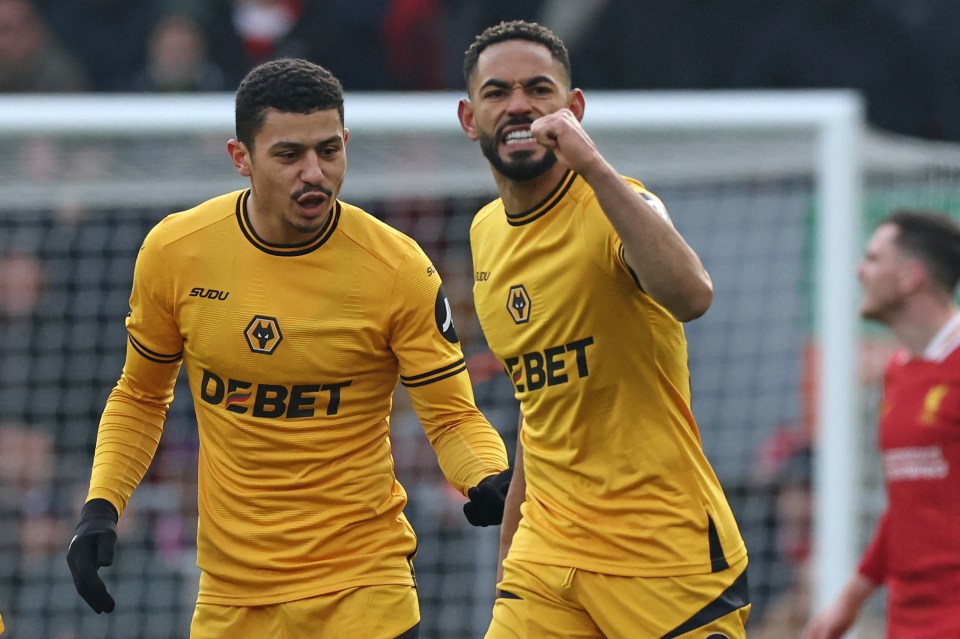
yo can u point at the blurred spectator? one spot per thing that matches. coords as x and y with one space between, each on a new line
412 33
799 44
31 60
26 481
464 20
939 35
345 37
21 284
647 44
790 610
108 37
177 59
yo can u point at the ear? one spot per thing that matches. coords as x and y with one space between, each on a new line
467 122
240 156
346 135
915 275
577 104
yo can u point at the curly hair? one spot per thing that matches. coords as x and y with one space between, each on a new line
934 239
288 85
515 30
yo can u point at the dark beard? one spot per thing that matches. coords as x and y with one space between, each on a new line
520 167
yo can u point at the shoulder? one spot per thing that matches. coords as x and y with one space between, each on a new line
376 238
487 212
649 197
178 226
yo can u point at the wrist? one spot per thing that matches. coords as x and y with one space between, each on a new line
99 509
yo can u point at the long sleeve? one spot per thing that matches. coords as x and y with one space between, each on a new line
467 446
130 429
133 417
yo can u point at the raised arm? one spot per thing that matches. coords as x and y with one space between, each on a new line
667 267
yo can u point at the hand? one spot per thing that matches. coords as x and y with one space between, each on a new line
832 623
485 507
563 134
92 547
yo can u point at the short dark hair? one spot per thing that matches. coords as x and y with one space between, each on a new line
288 85
515 30
933 238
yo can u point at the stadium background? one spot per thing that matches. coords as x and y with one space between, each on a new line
66 263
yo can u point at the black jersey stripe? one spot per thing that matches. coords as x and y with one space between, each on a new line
432 380
153 356
243 219
546 205
622 254
413 378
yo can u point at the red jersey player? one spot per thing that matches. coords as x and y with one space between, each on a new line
909 275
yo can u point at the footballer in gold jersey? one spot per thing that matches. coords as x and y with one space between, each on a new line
581 286
295 316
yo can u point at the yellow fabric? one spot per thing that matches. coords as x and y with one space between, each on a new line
374 612
617 481
550 602
292 355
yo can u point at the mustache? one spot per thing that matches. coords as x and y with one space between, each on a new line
309 190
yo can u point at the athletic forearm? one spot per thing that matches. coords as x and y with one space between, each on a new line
511 509
667 267
834 621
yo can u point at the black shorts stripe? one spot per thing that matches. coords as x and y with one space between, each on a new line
733 598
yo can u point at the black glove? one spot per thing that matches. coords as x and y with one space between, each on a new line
485 507
91 548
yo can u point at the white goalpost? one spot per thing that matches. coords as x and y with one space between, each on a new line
773 189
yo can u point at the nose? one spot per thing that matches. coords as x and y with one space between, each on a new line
518 102
312 171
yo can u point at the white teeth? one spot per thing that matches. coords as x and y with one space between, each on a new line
518 136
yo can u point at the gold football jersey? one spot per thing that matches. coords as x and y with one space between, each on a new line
617 481
292 355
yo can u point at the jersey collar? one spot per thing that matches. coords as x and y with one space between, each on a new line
546 204
945 341
243 219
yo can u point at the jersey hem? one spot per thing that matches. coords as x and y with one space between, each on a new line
620 569
305 593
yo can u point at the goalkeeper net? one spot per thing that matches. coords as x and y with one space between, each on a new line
774 191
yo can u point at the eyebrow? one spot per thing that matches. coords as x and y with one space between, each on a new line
529 82
286 144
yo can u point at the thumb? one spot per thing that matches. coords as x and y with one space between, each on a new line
106 545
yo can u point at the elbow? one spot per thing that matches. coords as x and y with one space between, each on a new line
696 303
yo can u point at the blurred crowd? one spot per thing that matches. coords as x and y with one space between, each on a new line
901 55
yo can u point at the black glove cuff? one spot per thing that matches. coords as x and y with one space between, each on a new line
98 509
501 481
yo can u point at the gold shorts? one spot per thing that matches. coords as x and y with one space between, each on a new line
537 601
370 612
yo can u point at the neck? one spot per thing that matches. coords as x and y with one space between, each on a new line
916 327
522 196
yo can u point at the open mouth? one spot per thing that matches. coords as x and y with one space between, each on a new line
312 203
